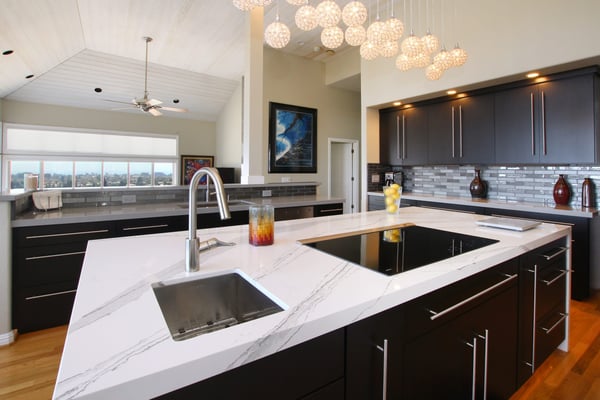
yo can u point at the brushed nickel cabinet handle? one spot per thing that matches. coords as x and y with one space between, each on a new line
550 282
138 228
453 135
398 135
74 253
485 338
435 314
460 132
66 234
384 350
532 126
403 136
473 345
560 251
544 123
41 296
562 318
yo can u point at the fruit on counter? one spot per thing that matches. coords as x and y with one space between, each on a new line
392 236
392 197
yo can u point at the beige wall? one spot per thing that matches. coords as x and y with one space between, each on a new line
229 132
195 137
293 80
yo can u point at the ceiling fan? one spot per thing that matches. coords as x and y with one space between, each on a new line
145 104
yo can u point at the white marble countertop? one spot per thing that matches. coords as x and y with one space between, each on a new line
502 204
118 345
149 210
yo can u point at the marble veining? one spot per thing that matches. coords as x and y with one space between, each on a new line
118 344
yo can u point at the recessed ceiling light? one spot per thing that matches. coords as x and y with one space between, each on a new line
175 101
533 74
397 103
451 92
7 52
29 76
98 90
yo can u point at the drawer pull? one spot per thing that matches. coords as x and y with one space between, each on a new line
66 234
41 296
562 318
328 210
548 283
435 315
75 253
138 228
384 350
557 253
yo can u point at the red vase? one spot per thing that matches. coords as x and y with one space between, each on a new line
561 192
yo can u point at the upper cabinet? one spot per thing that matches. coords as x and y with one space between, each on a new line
462 131
403 136
548 123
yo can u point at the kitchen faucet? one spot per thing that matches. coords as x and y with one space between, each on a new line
192 244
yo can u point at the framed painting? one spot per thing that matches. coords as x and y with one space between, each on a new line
191 164
292 139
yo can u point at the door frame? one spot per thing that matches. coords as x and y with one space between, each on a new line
355 169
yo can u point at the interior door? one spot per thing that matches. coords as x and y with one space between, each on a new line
343 174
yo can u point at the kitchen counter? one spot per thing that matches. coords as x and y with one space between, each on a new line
118 345
149 210
501 204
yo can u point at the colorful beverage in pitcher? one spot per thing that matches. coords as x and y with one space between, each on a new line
261 224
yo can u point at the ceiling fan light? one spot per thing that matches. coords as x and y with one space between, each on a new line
277 35
307 18
356 35
332 37
329 13
354 13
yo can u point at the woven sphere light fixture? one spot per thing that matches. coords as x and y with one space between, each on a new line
412 46
307 18
403 62
244 5
277 34
431 43
433 72
329 13
369 50
389 49
459 56
332 37
356 35
395 28
354 13
443 59
297 2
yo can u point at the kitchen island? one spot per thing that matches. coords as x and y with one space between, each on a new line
118 344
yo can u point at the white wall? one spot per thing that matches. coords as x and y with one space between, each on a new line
229 132
195 137
297 81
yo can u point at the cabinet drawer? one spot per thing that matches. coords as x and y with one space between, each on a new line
551 290
324 210
49 264
56 234
436 308
549 333
42 307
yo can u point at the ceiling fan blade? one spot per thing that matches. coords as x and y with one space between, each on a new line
120 102
174 109
154 112
153 102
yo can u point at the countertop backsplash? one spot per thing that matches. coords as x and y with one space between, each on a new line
531 184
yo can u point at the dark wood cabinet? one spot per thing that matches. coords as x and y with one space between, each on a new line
323 210
461 131
403 136
549 123
312 370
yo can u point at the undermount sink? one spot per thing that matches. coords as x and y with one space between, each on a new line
192 307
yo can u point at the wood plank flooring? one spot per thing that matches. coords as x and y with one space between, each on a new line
29 366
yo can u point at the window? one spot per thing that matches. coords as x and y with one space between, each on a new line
68 158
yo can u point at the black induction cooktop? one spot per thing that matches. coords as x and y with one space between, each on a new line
393 251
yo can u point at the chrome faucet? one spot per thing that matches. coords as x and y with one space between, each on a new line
192 244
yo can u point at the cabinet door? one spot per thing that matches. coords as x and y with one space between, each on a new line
515 126
390 152
474 123
373 358
567 126
442 133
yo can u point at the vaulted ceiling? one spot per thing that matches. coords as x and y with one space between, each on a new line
72 47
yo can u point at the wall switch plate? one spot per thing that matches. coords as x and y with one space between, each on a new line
374 178
286 179
128 198
266 193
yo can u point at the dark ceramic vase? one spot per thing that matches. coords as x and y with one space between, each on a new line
478 186
561 191
587 193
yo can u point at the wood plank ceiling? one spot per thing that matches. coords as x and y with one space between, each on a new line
72 47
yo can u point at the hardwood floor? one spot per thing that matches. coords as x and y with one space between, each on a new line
29 366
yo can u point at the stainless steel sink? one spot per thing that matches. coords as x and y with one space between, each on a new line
192 307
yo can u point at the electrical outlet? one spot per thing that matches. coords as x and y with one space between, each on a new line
128 198
266 193
286 179
374 178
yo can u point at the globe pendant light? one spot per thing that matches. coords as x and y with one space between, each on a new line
458 56
443 59
355 35
261 3
297 2
329 13
430 43
389 49
403 62
395 28
412 45
421 60
244 5
307 18
354 13
369 51
277 34
332 37
433 72
377 33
